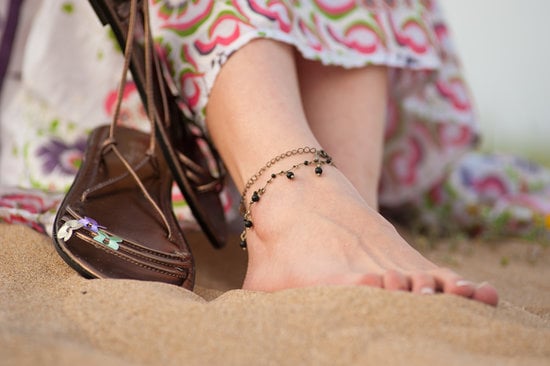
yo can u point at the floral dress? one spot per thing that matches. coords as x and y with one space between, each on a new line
69 83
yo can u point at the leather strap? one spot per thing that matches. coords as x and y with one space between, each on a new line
111 141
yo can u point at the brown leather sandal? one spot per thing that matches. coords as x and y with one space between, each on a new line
179 141
116 221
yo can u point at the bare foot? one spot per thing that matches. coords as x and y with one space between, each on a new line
318 230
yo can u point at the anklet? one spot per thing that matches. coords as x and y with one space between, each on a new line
320 158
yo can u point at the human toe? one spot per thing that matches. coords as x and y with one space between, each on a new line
371 280
486 294
422 283
396 281
449 282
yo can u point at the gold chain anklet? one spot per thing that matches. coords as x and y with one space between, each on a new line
320 158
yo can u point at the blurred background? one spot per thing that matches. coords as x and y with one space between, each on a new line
505 50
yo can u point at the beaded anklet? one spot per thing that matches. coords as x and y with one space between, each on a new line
320 158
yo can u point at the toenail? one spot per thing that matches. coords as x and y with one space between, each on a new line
482 284
427 291
463 283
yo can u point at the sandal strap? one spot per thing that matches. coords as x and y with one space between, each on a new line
110 142
162 257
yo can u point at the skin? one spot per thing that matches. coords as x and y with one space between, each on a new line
317 230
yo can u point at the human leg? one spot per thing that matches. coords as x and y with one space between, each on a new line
308 231
346 110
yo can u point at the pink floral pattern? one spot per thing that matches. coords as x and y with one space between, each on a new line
489 194
196 39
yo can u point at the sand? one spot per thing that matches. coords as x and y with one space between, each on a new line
49 315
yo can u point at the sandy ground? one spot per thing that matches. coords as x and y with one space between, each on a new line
49 315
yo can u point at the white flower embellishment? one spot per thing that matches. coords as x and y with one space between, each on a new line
66 231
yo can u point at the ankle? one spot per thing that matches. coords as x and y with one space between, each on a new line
254 190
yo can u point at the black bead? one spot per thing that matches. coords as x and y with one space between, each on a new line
329 160
243 244
255 196
273 175
290 175
318 170
248 223
306 162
